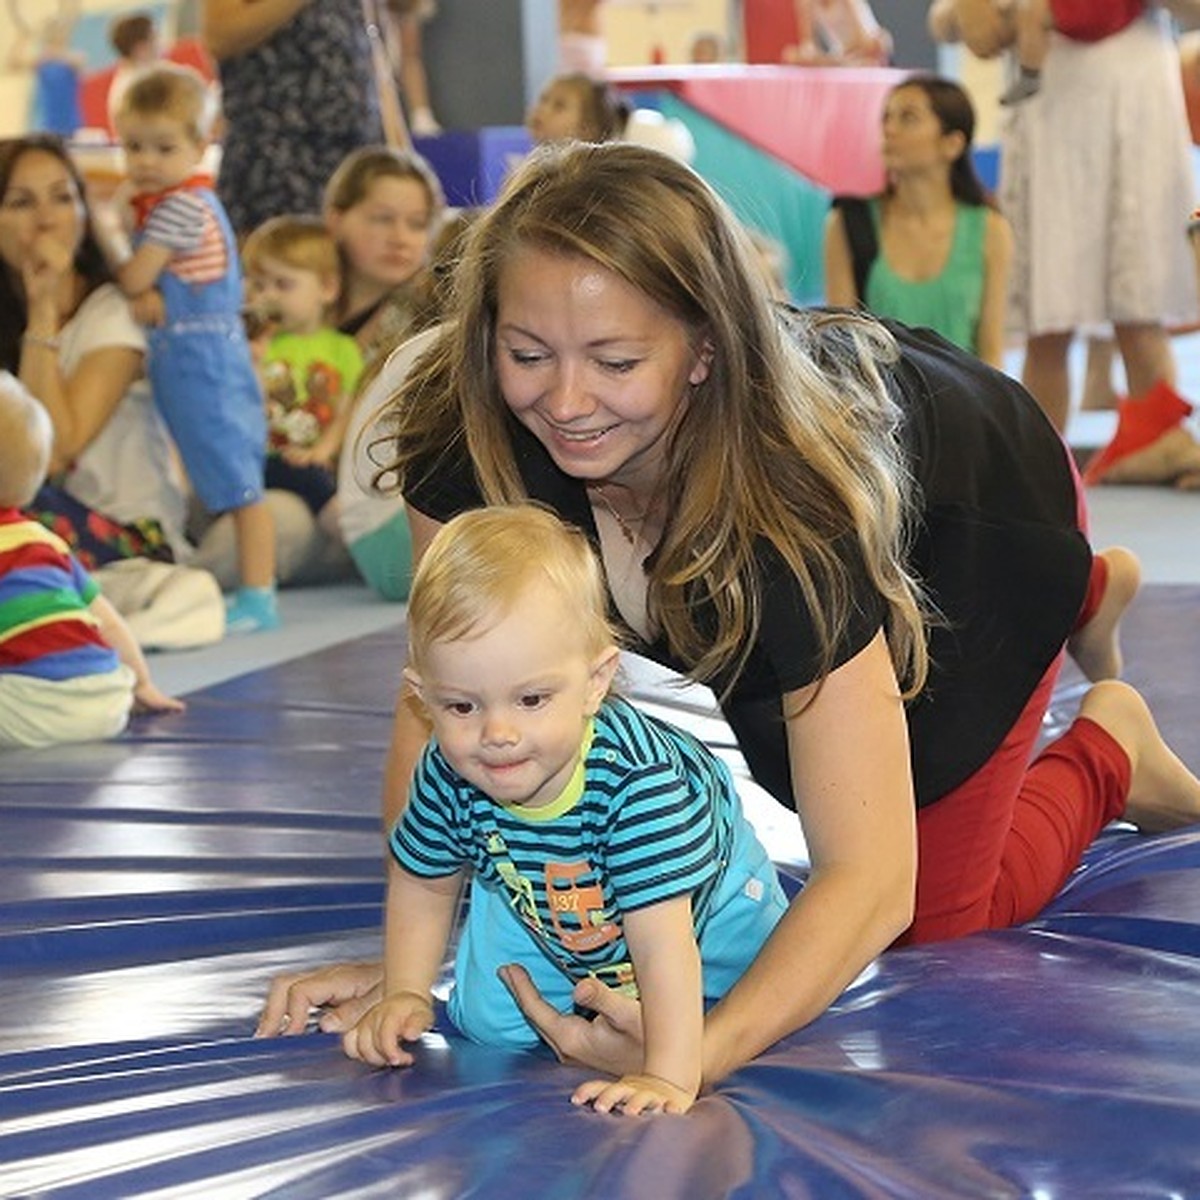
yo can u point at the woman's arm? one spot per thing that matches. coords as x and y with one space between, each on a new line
997 260
859 819
81 404
840 288
346 991
232 27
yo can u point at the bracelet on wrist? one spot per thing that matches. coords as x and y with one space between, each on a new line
36 339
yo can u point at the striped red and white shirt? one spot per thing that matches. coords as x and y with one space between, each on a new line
184 223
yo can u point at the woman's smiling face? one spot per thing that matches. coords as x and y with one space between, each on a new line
594 368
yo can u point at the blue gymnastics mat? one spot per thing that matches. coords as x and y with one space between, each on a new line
150 888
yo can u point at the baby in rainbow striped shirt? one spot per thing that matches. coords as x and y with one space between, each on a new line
70 669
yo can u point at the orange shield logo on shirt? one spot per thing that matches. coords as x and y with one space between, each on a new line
581 921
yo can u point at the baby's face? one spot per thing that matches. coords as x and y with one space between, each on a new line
296 298
160 153
510 704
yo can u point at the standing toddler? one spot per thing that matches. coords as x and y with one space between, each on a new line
185 282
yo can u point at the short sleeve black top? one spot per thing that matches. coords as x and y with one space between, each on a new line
997 545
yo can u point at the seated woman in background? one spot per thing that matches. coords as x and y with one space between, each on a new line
68 334
931 250
384 208
373 524
115 495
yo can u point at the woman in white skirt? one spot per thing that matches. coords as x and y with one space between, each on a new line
1097 182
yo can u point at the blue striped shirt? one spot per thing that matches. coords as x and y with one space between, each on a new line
655 820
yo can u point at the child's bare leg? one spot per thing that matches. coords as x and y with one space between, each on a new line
254 608
1163 793
256 544
1096 647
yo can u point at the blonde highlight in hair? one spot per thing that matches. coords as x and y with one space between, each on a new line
791 439
481 563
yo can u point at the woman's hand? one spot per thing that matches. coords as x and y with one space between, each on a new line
343 992
612 1041
46 263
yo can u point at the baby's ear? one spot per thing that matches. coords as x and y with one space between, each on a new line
414 681
331 286
604 669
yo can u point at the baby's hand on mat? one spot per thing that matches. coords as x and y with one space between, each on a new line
147 698
633 1095
376 1039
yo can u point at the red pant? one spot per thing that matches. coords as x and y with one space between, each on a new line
995 850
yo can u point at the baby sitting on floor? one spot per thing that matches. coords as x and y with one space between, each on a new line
70 670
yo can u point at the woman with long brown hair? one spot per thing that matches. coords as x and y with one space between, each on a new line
865 541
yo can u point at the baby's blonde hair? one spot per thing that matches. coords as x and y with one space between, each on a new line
301 242
482 562
26 436
171 90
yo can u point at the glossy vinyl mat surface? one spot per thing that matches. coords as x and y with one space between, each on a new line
151 887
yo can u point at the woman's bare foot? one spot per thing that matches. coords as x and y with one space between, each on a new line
1173 458
1163 793
1097 646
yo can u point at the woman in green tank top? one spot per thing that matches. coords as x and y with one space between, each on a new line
930 250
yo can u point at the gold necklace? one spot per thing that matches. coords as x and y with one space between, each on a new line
627 530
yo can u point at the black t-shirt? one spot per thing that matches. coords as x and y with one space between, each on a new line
997 546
